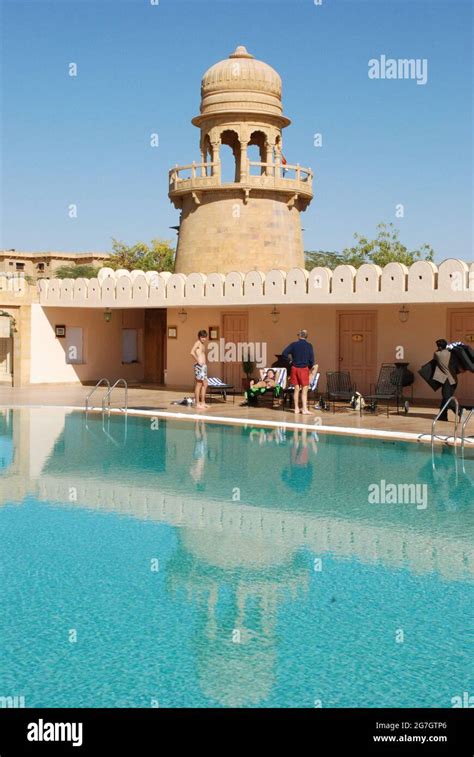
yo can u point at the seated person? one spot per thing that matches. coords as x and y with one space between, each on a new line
268 381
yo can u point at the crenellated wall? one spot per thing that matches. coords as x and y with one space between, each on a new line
15 290
450 282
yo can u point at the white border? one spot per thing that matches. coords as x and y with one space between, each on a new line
341 430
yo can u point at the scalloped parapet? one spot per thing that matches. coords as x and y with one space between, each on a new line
451 281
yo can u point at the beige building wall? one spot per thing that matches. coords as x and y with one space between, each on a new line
102 345
45 361
15 299
426 323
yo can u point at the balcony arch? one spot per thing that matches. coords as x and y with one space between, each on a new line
230 166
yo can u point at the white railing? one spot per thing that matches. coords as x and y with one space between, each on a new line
281 171
211 170
196 171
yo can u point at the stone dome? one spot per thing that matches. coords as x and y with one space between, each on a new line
241 84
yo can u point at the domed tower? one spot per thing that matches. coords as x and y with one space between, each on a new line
252 221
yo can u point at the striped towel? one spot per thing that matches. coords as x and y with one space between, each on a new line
214 381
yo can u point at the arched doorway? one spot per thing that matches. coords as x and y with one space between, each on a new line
257 152
230 157
206 155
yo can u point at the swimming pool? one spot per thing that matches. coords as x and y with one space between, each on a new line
177 564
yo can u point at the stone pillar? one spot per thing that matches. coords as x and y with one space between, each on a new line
21 346
244 163
269 158
277 160
216 170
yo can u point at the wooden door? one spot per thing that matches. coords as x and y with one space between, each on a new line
235 331
462 330
154 346
358 348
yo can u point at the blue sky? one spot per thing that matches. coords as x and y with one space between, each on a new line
85 140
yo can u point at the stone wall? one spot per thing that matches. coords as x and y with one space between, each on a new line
263 232
450 282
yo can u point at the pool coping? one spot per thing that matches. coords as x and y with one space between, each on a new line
405 436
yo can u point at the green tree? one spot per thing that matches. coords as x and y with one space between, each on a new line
385 248
76 272
157 256
322 258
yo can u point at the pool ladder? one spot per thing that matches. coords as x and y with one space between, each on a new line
458 409
108 394
447 404
469 411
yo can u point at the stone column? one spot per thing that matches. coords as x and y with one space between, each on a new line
216 170
277 160
244 163
269 158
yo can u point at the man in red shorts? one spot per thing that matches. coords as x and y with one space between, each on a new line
302 362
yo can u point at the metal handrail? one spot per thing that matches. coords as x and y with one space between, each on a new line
470 411
107 396
106 431
93 390
456 422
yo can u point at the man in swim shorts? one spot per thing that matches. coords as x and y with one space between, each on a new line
302 362
200 370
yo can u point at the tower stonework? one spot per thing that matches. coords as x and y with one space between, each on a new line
252 222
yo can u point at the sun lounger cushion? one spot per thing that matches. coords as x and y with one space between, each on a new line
214 381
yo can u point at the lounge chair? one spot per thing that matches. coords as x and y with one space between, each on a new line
290 390
389 388
217 386
275 393
339 387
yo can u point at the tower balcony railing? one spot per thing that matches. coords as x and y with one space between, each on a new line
282 171
277 176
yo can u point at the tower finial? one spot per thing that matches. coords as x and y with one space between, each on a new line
240 52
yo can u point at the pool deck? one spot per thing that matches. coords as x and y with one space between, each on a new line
156 401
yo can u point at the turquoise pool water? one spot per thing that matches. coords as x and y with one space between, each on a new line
192 565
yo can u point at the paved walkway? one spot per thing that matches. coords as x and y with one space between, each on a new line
418 421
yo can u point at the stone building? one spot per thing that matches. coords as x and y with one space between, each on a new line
38 265
239 274
252 222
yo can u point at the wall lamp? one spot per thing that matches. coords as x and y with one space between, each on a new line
403 314
182 315
275 314
107 315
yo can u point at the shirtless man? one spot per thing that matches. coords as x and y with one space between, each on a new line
200 370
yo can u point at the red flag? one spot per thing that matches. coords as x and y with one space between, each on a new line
283 159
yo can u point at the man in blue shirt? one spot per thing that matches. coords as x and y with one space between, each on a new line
302 361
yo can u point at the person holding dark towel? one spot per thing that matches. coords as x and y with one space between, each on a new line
443 374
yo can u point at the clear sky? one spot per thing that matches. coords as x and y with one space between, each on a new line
86 140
